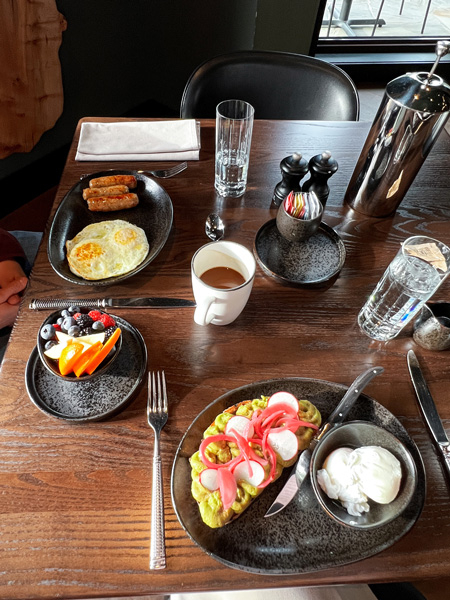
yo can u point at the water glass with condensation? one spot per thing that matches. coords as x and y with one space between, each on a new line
234 127
416 272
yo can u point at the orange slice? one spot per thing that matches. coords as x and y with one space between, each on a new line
103 352
69 356
82 362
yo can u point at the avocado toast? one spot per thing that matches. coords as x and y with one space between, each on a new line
245 449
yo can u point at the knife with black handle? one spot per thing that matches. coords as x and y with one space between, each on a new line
429 410
46 303
301 468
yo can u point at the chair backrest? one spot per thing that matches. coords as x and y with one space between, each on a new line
279 85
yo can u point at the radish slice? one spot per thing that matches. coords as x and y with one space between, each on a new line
285 398
241 473
284 443
242 425
208 479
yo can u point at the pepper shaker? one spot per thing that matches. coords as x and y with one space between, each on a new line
322 167
293 169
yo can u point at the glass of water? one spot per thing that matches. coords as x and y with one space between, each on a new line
234 126
416 272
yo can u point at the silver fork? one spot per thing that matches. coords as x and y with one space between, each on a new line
157 414
166 173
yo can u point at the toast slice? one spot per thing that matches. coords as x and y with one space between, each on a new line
213 509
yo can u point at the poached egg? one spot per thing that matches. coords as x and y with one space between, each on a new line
355 476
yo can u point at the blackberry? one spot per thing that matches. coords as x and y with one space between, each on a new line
108 332
84 321
86 331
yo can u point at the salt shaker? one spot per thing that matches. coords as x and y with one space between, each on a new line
322 167
293 169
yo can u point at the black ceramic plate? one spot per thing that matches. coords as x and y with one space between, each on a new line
154 214
95 399
301 538
305 264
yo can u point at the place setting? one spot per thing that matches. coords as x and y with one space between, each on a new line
264 527
87 365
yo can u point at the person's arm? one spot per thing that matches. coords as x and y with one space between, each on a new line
12 278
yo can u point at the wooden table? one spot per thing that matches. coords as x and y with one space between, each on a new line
75 499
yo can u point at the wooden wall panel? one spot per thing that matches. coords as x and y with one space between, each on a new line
31 92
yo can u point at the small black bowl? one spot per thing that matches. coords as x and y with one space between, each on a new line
355 434
52 364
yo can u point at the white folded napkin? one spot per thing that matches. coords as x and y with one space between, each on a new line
140 140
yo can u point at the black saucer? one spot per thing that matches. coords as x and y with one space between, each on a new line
91 400
305 264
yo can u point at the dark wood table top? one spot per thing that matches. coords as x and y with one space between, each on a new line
75 498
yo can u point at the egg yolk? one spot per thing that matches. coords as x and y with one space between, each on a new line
87 252
125 236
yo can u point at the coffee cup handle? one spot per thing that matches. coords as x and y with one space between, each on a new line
202 315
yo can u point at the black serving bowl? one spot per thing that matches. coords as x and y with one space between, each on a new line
354 434
52 364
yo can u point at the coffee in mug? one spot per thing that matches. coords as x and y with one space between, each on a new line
222 278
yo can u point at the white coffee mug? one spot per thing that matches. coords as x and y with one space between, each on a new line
217 305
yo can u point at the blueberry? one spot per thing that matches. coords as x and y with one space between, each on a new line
65 313
60 321
74 331
98 326
48 332
74 309
68 323
50 344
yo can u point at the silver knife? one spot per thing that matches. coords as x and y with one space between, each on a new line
301 468
43 304
429 409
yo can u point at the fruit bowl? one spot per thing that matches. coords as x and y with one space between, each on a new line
76 347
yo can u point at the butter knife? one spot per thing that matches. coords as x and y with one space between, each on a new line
301 468
429 409
45 303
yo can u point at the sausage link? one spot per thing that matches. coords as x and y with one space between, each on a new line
109 203
129 180
111 190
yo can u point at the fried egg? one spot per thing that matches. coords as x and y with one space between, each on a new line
106 249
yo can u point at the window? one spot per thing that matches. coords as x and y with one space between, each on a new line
377 40
385 18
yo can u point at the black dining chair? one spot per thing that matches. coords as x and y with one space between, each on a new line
279 85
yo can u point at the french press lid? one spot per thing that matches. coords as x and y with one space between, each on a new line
424 92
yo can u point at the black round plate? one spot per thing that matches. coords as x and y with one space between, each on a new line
301 538
95 399
304 264
154 214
